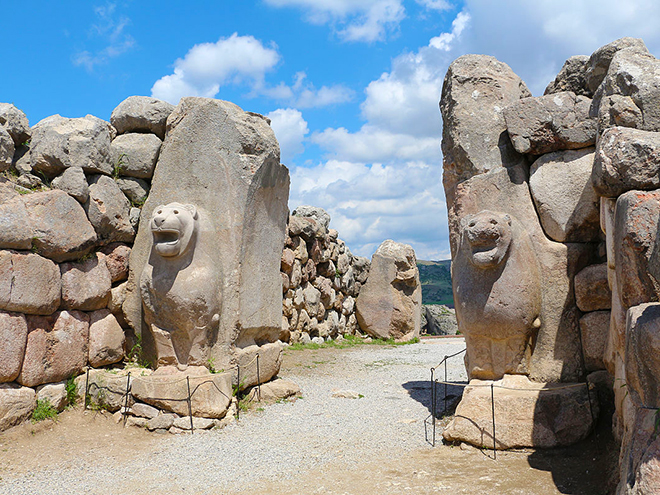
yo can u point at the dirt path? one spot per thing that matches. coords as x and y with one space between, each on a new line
316 445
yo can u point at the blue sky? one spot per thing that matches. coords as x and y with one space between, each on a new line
351 86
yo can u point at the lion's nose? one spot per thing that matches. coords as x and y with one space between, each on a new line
158 221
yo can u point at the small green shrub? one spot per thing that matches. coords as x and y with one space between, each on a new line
71 391
44 410
116 170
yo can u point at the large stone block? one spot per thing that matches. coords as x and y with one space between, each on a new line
221 166
635 233
56 347
59 143
15 123
61 229
13 335
626 159
594 330
592 291
109 211
527 414
7 150
135 154
15 229
600 60
571 77
270 359
643 353
16 404
476 90
106 339
29 283
86 284
550 123
141 114
167 388
390 303
566 201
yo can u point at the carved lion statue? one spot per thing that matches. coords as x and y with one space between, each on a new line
497 292
180 288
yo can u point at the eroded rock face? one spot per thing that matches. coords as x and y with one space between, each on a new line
13 335
571 77
109 211
56 347
600 60
106 339
568 206
29 283
135 154
15 123
389 304
643 353
179 286
476 90
592 291
550 123
497 292
594 328
16 404
86 285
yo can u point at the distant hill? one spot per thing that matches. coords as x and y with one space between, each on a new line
435 277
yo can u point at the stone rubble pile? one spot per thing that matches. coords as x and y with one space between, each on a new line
321 280
564 187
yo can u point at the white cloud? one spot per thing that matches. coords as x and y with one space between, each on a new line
352 20
290 130
208 66
435 4
110 31
446 40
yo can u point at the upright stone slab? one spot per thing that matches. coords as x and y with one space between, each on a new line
226 194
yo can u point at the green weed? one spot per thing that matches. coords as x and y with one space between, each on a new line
349 341
44 410
71 391
116 170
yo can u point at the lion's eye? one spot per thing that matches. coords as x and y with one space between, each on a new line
160 212
176 212
493 221
472 224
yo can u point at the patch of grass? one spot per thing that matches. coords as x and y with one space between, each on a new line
44 410
139 203
349 341
71 391
87 257
135 355
116 170
97 403
210 364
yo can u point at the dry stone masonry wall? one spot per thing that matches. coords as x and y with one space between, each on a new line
571 287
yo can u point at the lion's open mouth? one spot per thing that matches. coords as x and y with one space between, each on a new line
168 237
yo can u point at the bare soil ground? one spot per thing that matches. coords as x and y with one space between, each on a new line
89 438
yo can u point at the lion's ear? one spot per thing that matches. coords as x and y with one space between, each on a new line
192 209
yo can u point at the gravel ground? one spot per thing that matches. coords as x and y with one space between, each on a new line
283 440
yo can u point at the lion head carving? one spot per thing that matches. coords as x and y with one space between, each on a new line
173 226
487 237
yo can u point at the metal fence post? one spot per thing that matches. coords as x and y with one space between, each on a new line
492 400
258 378
445 410
128 391
238 390
190 405
86 388
433 406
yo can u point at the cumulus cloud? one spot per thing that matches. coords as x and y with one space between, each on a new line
207 66
110 31
435 4
290 130
352 20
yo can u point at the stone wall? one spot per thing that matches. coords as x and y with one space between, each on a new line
554 204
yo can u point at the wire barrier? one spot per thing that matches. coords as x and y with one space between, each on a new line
188 395
433 416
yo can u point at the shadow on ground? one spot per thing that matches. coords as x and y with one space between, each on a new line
421 392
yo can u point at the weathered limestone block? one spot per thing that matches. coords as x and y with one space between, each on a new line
568 206
28 283
136 190
318 214
550 123
109 211
56 347
59 143
643 353
270 359
54 393
476 90
106 339
15 123
635 233
533 414
440 320
626 159
13 335
135 154
15 229
306 227
594 329
167 389
639 460
389 304
141 114
633 81
16 404
607 220
108 389
73 182
274 390
61 229
288 259
179 286
225 162
497 292
571 77
6 150
86 284
116 259
592 291
600 60
313 304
